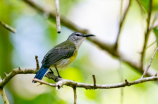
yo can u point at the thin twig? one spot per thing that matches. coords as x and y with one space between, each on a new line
94 81
122 20
126 81
57 16
42 82
151 44
147 33
37 63
19 68
75 95
4 96
8 27
149 63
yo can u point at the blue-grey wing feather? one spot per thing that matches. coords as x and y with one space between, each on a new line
62 51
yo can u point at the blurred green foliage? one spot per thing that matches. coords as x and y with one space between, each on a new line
35 36
155 5
145 4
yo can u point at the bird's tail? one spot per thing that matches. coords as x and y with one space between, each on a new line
39 75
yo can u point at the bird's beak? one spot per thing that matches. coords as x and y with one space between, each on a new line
88 35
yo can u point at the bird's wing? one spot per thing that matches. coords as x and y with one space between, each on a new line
57 53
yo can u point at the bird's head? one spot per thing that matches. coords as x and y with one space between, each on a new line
77 38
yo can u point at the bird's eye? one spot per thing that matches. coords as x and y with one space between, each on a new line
77 34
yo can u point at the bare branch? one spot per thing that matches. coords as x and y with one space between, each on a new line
98 86
4 96
8 27
94 80
37 63
122 20
147 33
75 95
126 81
19 68
149 63
57 16
15 72
42 82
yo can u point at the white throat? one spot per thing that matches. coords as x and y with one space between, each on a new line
78 43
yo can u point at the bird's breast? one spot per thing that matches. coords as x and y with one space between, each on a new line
65 62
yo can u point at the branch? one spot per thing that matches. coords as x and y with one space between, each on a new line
11 29
147 33
15 72
149 63
4 96
94 80
75 95
105 46
98 86
37 63
57 16
122 20
61 82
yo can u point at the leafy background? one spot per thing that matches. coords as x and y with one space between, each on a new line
36 35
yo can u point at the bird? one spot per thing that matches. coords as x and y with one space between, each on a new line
62 54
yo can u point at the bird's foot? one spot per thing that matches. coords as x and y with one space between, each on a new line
51 71
58 72
58 77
